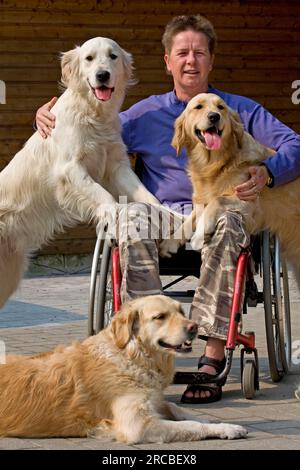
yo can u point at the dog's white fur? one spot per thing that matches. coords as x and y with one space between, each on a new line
113 381
78 173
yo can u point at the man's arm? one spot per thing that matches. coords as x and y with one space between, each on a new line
284 166
280 168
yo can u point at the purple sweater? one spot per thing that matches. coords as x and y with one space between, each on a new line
148 128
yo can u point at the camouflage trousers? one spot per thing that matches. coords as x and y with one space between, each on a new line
213 295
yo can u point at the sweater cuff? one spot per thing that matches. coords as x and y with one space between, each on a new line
270 181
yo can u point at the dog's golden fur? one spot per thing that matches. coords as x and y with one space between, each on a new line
215 174
113 381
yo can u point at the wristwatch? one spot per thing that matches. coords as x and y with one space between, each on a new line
270 180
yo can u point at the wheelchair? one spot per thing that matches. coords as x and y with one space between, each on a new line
264 254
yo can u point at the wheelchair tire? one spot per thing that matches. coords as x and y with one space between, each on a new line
104 297
249 379
93 283
277 307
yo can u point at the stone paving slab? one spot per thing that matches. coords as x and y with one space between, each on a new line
48 311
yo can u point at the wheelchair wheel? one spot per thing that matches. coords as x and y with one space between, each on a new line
93 283
100 301
249 379
277 307
104 298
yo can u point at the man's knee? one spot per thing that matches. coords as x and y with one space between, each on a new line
230 219
139 221
231 230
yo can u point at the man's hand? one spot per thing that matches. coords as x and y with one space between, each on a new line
45 120
249 191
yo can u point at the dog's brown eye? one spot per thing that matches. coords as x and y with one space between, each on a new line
89 58
199 106
220 106
113 56
161 316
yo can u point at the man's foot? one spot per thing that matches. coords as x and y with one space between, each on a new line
206 392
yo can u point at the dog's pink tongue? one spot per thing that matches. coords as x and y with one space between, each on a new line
103 93
212 140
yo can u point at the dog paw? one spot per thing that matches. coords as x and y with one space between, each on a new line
167 248
232 431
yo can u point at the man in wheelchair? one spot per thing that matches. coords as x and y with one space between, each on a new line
148 127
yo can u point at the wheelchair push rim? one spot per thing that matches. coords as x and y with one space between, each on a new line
277 307
101 296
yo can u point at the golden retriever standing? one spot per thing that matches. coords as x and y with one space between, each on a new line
113 381
78 173
220 153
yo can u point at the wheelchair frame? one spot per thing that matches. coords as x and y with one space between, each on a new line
105 300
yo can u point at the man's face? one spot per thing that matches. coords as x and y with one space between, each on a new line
190 63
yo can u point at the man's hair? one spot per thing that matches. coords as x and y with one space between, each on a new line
196 23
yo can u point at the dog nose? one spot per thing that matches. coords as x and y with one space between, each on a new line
213 117
103 76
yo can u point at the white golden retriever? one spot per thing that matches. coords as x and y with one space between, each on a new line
113 381
78 173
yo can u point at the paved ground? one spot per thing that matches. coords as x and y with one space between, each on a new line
47 311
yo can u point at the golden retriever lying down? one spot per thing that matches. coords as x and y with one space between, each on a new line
78 173
113 381
220 153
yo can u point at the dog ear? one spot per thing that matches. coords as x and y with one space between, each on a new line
179 135
122 325
69 65
237 127
128 67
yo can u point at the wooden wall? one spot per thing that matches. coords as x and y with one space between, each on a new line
258 56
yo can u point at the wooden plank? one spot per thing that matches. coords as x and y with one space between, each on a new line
25 74
52 45
269 91
69 247
152 62
19 133
169 7
46 91
42 74
40 31
272 103
34 89
23 119
31 104
19 118
150 47
70 17
251 75
29 74
8 149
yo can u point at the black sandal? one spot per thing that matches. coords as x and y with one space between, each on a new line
215 389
